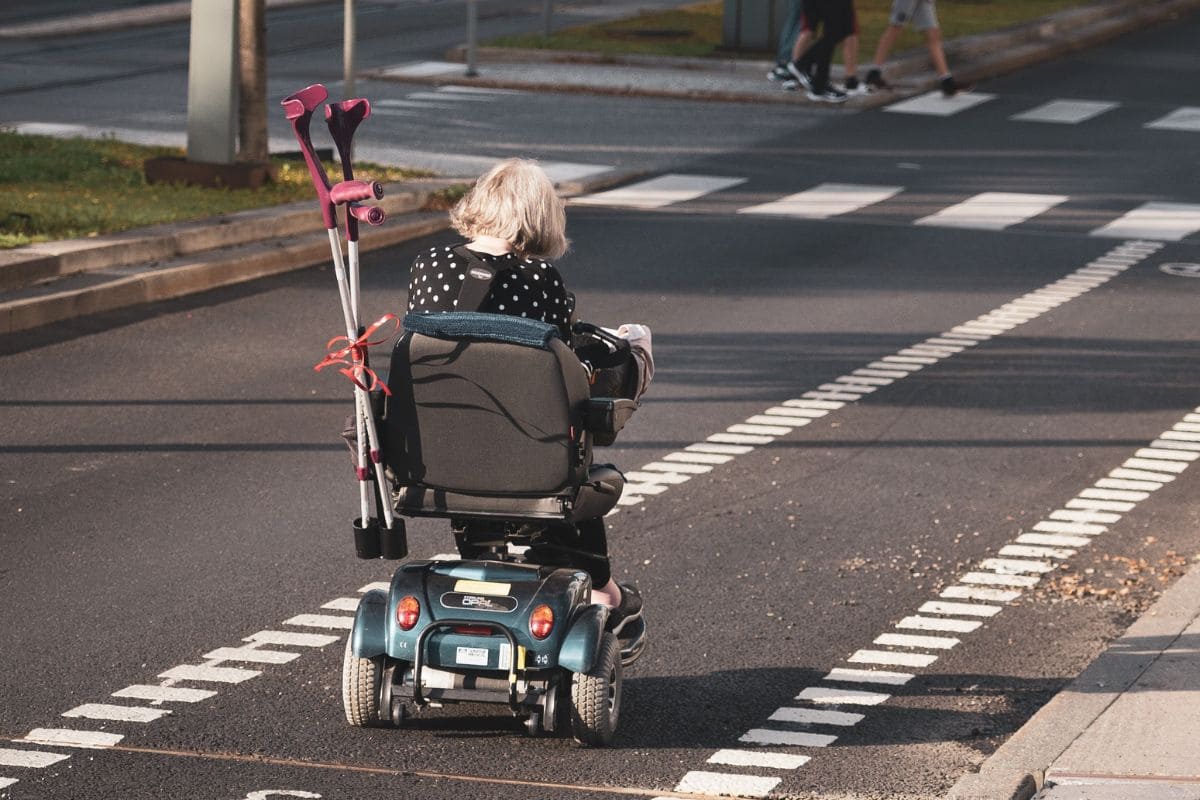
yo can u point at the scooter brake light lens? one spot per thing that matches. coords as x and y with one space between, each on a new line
541 622
408 611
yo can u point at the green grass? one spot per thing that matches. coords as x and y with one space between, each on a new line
70 188
696 30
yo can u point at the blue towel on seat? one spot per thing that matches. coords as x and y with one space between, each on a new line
478 325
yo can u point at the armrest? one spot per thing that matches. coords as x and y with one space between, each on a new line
604 417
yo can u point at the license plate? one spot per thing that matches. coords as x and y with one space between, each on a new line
473 656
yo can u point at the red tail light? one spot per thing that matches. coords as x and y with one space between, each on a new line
541 622
408 611
473 630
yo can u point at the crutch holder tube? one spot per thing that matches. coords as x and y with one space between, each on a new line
372 215
366 538
354 191
393 542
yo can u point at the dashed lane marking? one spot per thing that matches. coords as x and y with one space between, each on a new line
67 737
757 758
105 711
1066 112
38 759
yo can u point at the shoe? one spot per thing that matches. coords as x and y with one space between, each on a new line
790 85
855 86
827 95
800 74
951 87
630 609
875 81
779 72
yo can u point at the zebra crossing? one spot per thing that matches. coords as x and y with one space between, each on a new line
1060 111
988 211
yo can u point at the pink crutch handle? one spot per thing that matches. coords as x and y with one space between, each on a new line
353 191
372 215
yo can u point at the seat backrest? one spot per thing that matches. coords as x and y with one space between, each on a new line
482 416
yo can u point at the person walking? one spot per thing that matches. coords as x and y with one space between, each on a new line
922 15
852 85
811 70
795 29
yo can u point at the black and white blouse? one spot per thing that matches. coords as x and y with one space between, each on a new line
523 287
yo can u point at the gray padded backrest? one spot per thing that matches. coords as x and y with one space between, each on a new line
485 417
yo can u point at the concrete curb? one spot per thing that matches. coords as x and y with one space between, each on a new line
1017 771
170 261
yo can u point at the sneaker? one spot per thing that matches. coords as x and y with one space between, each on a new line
779 72
875 81
790 85
951 87
827 95
800 74
855 86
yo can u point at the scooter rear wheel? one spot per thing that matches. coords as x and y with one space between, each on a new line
596 696
361 681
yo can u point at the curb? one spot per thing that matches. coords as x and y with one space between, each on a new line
1017 771
170 261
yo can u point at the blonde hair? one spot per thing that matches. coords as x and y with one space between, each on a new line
515 201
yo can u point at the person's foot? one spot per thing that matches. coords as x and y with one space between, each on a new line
779 72
875 81
827 95
855 86
790 85
951 87
629 609
800 73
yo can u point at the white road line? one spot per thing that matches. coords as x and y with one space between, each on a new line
696 458
117 713
342 604
937 624
841 697
1181 436
1060 526
959 609
383 586
657 477
989 578
993 211
303 639
693 469
825 200
725 449
6 782
764 430
768 736
321 621
252 655
722 783
935 104
740 438
192 672
1035 551
1155 220
1100 505
891 659
979 593
1084 516
815 716
758 758
847 675
910 640
164 694
658 192
1185 118
66 737
1015 566
1114 494
1154 464
1175 444
1113 483
35 759
1168 455
1054 539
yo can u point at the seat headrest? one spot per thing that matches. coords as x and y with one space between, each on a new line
456 325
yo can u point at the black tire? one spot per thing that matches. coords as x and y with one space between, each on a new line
595 707
361 681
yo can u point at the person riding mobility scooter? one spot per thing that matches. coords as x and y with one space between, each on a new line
488 421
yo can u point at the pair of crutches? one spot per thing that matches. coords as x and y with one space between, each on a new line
372 537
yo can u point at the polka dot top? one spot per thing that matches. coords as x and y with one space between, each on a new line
523 287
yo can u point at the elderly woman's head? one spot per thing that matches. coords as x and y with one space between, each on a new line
515 201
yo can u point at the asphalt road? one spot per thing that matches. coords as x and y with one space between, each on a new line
173 484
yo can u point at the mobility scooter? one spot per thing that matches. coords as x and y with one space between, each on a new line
490 423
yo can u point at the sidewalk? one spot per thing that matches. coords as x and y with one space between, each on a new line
1128 728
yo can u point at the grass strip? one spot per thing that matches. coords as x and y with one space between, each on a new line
54 188
695 30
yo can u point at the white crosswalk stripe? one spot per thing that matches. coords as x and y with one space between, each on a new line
1155 220
661 191
1186 118
935 104
1065 112
826 200
993 211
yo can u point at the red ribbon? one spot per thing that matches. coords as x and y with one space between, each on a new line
352 354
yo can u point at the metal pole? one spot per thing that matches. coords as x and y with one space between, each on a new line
348 37
547 10
472 37
212 83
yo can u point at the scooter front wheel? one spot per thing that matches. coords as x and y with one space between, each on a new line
596 696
